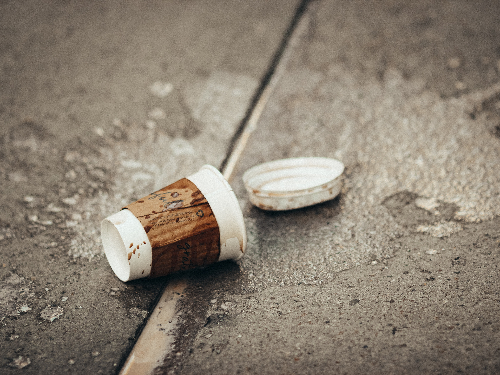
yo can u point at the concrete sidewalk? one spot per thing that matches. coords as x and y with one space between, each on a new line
399 274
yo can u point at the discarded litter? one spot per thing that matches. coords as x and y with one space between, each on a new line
292 183
194 222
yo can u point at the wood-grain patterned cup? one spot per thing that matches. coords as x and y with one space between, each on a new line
194 222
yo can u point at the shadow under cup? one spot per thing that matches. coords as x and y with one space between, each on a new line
194 222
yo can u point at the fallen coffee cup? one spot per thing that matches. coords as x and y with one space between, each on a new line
194 222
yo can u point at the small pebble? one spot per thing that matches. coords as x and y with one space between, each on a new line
161 89
99 131
460 85
95 353
64 299
17 177
225 305
157 114
51 313
71 361
52 208
429 204
71 175
454 63
29 199
71 201
431 252
71 156
20 362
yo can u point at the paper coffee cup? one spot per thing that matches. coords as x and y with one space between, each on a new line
194 222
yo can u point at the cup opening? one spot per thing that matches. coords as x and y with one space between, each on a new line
115 250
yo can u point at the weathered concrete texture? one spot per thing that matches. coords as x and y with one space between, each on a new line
433 307
399 274
451 45
101 104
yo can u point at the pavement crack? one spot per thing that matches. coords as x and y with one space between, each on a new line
268 81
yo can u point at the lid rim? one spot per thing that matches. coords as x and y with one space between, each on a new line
291 193
294 182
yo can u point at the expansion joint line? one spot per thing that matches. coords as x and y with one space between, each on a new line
296 29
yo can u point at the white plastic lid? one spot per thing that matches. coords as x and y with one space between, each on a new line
292 183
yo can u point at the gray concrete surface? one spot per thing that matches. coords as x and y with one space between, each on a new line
100 104
400 273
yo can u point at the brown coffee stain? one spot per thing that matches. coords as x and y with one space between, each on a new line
197 198
196 251
129 256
